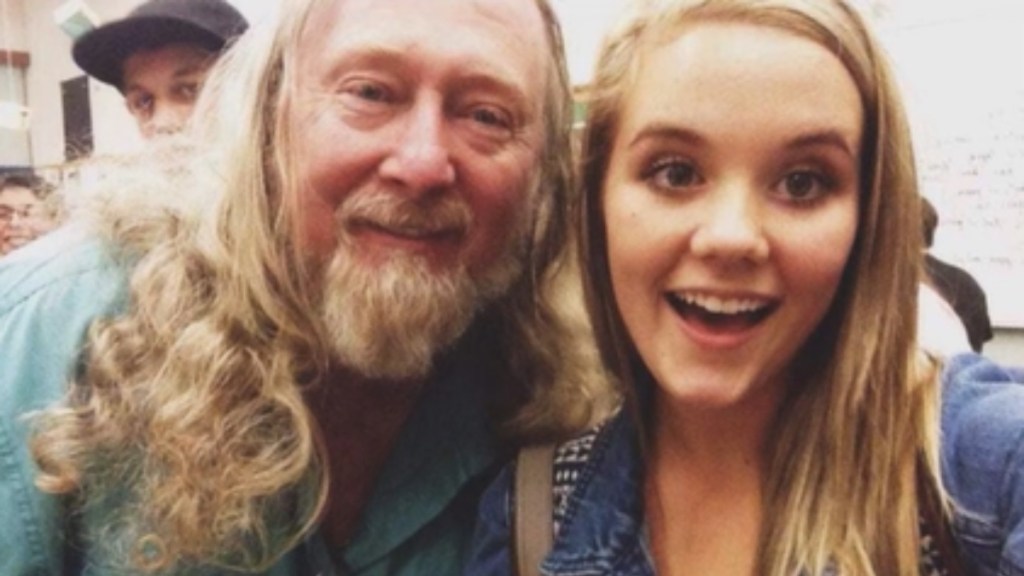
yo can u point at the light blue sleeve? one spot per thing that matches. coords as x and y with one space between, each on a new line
50 292
983 462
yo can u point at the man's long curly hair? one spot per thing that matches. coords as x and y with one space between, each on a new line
188 415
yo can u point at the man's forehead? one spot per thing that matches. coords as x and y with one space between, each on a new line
182 57
462 43
503 11
16 194
516 23
525 12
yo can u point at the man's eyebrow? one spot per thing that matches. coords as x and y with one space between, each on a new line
133 87
494 81
473 74
371 55
192 68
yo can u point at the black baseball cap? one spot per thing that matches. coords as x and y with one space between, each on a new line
207 23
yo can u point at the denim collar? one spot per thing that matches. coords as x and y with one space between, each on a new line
603 531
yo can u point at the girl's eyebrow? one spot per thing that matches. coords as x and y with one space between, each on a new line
831 137
827 137
666 131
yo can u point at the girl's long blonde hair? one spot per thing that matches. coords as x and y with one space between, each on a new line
188 418
860 425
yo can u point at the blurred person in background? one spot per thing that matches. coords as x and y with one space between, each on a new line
158 56
27 211
955 285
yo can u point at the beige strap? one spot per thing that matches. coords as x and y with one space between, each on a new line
533 514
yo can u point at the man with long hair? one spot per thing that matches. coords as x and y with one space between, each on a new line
284 344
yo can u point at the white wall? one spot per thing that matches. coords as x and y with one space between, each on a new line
1007 346
584 23
256 11
14 147
14 143
113 128
961 67
12 25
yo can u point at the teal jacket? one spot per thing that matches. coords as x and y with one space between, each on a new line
420 517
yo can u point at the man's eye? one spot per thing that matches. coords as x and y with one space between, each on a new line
491 117
368 91
188 92
140 105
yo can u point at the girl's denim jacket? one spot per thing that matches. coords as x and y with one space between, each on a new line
600 527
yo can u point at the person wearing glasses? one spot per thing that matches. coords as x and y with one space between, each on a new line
25 213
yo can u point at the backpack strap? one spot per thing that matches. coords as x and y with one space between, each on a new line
533 535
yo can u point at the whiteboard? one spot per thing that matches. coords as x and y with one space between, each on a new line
964 84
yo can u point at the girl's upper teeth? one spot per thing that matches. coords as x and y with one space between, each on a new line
720 305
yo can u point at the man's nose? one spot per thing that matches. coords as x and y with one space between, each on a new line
421 159
167 118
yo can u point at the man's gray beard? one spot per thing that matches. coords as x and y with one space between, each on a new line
390 321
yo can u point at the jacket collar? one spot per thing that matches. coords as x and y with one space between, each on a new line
603 530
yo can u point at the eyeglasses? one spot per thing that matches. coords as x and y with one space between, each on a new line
7 213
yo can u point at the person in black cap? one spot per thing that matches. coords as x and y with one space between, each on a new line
158 56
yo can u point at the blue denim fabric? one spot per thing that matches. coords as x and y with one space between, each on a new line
983 463
602 531
50 291
602 534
